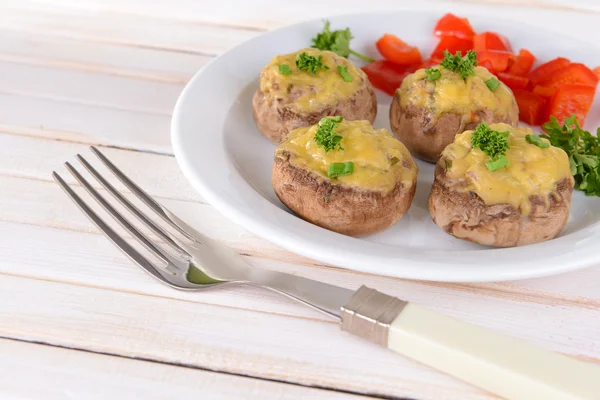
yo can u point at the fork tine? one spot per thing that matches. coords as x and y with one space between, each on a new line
132 208
117 240
162 255
141 194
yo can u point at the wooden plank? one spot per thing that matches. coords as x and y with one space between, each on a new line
102 58
255 344
34 371
89 88
84 123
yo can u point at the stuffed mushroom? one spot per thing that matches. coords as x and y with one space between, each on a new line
514 192
298 89
345 176
433 105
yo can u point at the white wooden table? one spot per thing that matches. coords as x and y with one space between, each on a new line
79 321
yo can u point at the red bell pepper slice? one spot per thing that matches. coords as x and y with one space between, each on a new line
498 59
392 48
488 65
573 73
513 81
386 75
597 72
523 63
491 41
531 107
546 70
451 25
452 44
571 99
544 91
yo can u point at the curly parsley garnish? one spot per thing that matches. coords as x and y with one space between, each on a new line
457 63
433 74
326 137
583 150
493 143
337 41
308 63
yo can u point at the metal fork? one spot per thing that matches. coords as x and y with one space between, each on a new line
192 261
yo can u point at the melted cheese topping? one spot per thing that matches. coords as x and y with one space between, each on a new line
532 171
304 91
453 94
371 150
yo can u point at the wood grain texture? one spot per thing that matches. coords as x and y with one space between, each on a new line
107 72
34 371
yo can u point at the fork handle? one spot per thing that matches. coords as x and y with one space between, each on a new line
500 364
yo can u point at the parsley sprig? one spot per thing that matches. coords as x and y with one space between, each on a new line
583 150
337 41
326 137
493 143
457 63
308 63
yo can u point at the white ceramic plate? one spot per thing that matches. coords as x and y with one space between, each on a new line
226 159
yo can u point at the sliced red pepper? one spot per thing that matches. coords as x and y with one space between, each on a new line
491 41
452 44
531 107
573 73
513 81
597 72
523 63
498 59
571 99
544 91
451 25
546 70
386 75
392 48
488 65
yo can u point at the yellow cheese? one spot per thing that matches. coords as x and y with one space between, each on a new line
325 88
532 171
453 94
380 160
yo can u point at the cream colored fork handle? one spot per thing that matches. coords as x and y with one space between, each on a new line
500 364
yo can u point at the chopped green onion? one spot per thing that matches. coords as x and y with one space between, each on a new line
433 74
492 83
336 119
394 160
340 169
284 69
498 163
535 139
343 70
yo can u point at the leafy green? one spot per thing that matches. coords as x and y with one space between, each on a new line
308 63
535 139
337 41
457 63
340 169
284 69
433 74
326 137
343 71
492 83
583 150
493 143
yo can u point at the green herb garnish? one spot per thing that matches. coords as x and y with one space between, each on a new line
340 169
326 137
433 74
457 63
337 41
583 150
493 143
284 69
308 63
394 160
343 70
492 83
535 139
